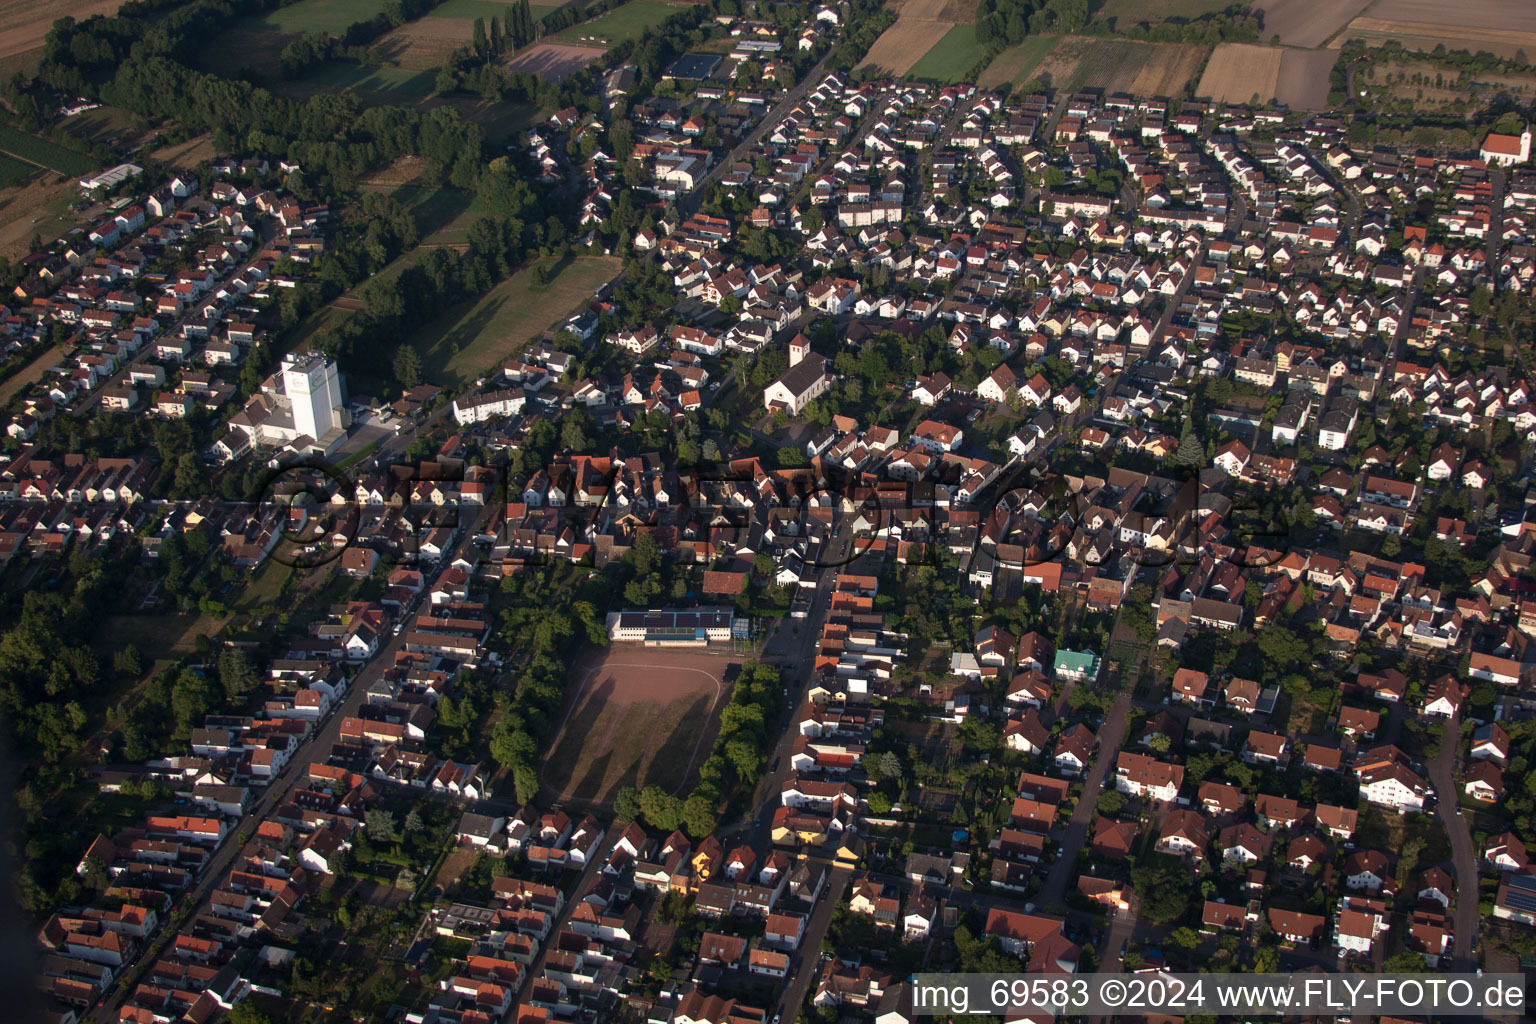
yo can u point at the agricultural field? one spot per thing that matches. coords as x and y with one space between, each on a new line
1308 23
1116 65
920 24
1303 80
427 42
554 61
17 143
186 154
28 21
1238 72
951 58
621 24
1016 65
1425 36
474 337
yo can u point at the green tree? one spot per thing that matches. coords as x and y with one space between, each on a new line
626 804
407 366
698 815
191 698
236 674
380 825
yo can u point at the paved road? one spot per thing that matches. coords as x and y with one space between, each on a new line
800 979
689 203
574 894
312 748
1463 855
793 646
1111 735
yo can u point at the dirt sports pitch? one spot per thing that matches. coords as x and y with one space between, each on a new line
636 716
553 61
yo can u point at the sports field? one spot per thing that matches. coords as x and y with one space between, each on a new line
621 24
635 716
466 342
553 61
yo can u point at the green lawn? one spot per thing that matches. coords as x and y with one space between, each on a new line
331 16
471 338
621 24
443 215
265 587
951 58
471 9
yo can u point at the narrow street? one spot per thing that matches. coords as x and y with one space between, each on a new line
1111 735
1463 855
804 964
583 883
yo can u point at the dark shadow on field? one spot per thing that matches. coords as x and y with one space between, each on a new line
676 760
591 784
462 334
561 763
434 213
390 49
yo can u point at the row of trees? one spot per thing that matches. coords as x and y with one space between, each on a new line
544 639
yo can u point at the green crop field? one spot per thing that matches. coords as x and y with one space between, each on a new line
474 337
622 23
331 16
15 142
13 172
951 58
